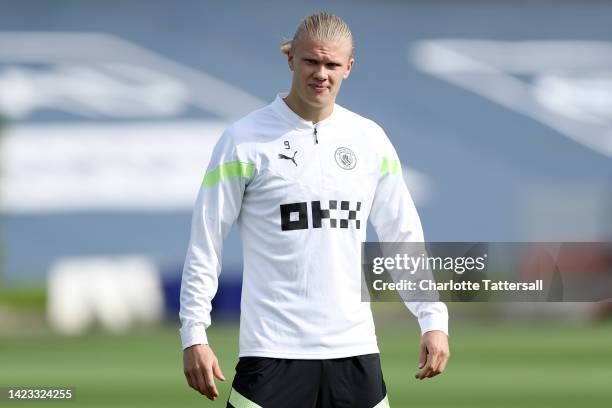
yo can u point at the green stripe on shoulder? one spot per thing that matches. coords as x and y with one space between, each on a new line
239 401
390 166
227 171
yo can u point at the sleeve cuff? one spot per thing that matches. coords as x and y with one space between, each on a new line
194 334
434 322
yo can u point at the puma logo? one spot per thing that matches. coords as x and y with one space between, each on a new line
282 156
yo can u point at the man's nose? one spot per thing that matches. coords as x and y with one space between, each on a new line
321 73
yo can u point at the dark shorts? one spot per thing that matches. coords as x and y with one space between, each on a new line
351 382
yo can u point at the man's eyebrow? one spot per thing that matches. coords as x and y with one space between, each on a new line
313 58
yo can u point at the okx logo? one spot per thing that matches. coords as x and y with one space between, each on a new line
294 216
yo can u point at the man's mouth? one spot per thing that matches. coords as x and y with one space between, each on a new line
318 88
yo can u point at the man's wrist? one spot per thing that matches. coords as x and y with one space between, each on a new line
194 345
433 331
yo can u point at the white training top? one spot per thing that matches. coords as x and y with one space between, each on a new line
301 194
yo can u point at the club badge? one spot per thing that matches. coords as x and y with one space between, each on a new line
345 158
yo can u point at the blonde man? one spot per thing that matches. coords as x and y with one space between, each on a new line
302 176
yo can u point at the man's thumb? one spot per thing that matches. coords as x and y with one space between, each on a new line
217 372
422 356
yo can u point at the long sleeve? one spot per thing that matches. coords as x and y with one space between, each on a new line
395 219
217 207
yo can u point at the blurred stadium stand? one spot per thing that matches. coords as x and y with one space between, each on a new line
501 113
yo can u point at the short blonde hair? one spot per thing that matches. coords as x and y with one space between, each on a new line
322 27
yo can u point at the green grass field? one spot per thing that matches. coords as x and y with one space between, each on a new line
491 366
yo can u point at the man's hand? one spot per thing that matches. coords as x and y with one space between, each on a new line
201 366
434 354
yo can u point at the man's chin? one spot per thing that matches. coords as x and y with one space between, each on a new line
320 100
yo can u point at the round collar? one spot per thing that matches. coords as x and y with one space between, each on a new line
281 107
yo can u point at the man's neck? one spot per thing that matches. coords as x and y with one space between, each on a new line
306 112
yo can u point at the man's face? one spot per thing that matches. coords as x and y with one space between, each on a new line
318 70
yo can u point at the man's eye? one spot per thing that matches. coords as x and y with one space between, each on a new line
311 62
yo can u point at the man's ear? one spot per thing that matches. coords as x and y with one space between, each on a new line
349 67
290 59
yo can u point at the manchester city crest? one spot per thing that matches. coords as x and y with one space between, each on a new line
345 158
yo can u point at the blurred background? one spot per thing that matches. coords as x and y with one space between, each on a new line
501 112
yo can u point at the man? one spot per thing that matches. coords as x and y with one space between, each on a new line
302 176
